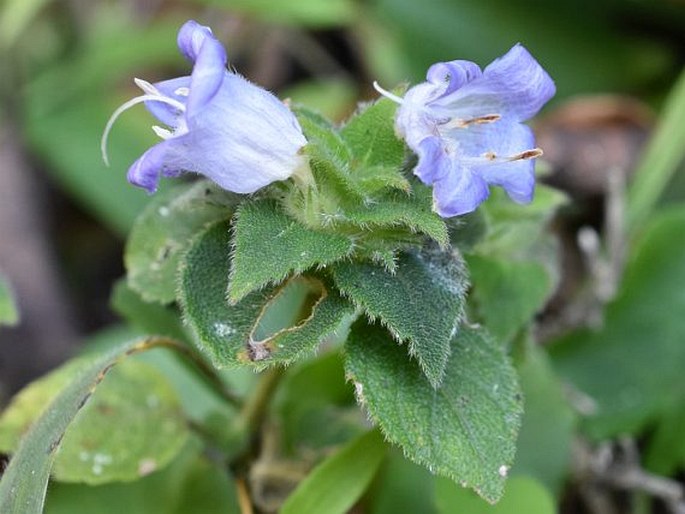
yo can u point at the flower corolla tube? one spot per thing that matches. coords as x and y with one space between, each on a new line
217 124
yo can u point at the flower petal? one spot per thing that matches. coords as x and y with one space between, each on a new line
147 170
514 85
453 73
166 113
434 161
516 177
246 140
459 192
197 43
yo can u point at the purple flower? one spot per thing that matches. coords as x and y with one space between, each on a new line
465 126
219 124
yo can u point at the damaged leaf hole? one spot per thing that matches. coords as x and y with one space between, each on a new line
290 308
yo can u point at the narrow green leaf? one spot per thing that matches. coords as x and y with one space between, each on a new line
163 230
324 134
267 246
306 310
523 495
661 158
466 429
9 314
370 134
15 16
421 303
95 448
337 483
23 485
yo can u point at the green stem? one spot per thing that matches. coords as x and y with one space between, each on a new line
255 409
206 371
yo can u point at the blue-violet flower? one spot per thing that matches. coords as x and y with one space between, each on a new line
219 124
465 126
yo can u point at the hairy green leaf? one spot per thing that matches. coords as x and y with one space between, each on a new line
466 428
370 134
397 209
272 326
512 228
163 230
421 303
267 246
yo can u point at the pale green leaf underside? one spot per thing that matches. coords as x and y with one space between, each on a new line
370 134
23 485
508 293
421 303
267 246
97 448
466 429
191 484
230 334
162 231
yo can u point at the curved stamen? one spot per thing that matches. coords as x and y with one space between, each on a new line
127 105
387 94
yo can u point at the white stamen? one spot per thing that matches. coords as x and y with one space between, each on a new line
162 132
465 123
127 105
387 94
182 91
146 87
493 158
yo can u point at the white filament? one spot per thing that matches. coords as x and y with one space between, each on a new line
161 132
387 94
148 97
